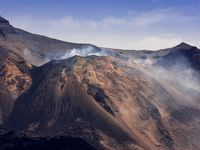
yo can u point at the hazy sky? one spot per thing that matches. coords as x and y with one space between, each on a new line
128 24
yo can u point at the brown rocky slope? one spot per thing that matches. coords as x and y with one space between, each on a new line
15 79
126 105
121 100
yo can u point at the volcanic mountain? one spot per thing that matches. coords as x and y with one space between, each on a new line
87 97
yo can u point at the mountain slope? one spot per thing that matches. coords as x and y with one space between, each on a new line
36 49
15 79
123 102
116 100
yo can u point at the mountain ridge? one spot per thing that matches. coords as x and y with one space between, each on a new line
111 99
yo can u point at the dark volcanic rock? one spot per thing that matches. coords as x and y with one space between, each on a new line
164 133
100 97
13 141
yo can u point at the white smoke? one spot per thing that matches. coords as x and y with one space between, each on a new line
144 62
87 51
43 58
181 73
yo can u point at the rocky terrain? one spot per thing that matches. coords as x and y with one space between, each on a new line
15 79
60 95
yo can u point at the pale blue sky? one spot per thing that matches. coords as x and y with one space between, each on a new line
128 24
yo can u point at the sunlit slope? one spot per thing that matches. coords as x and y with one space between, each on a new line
125 103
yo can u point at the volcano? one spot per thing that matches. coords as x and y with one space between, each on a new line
61 95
